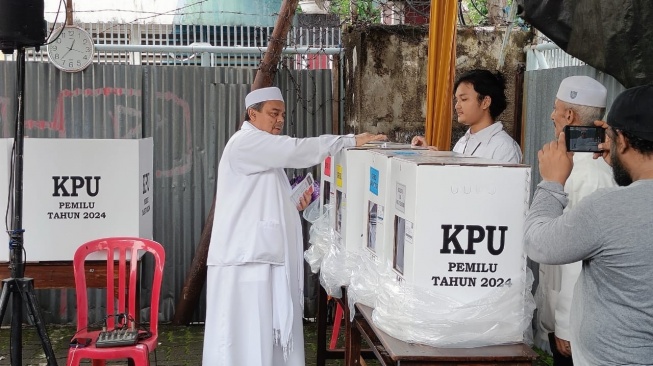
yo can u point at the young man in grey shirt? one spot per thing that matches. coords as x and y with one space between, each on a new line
611 231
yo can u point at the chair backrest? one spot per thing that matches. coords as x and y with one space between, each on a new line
122 251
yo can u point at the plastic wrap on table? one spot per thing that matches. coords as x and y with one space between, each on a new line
420 315
321 233
529 308
366 276
335 271
326 253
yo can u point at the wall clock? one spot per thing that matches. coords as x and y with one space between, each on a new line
72 50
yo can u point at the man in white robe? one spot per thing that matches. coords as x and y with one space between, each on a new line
580 101
255 263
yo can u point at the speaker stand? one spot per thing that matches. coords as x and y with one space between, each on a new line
19 288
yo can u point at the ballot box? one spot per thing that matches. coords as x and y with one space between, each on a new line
377 230
349 186
457 224
5 172
76 190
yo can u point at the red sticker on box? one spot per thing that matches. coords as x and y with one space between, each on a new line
327 166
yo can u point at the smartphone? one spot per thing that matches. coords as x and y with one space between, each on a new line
300 188
584 138
80 342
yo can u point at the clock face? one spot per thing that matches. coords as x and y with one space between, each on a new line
72 50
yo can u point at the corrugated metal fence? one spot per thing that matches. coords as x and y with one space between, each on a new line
189 111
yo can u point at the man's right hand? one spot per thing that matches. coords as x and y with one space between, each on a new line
365 137
418 141
604 146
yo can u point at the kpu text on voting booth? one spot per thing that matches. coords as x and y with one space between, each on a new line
76 190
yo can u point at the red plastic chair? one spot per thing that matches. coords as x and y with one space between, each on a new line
125 252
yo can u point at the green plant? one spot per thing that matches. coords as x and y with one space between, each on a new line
545 359
367 10
477 11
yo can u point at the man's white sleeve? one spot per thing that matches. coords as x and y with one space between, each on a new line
569 273
257 151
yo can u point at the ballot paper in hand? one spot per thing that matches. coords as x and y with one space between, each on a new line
300 188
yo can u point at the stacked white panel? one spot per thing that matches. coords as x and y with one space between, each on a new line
377 230
347 191
349 186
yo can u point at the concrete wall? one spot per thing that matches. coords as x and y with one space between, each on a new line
386 71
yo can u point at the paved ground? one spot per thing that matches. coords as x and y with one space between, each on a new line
178 346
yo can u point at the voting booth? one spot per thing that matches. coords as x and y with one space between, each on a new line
76 190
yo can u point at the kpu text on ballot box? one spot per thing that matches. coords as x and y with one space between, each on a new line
457 224
76 190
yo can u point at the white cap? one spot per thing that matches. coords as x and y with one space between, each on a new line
263 95
582 90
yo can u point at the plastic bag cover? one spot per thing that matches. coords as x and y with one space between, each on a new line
320 234
326 254
419 315
366 277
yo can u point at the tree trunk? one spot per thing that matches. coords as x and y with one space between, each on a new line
353 10
268 67
495 13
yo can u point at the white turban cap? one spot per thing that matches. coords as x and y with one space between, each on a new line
263 95
582 90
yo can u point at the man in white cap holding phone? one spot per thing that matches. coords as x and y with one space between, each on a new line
579 102
255 264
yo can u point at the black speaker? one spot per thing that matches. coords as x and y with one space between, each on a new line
22 24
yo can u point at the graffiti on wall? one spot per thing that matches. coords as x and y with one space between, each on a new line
125 119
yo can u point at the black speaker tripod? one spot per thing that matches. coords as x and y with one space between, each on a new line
19 288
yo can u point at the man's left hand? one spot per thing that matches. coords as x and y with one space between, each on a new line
305 199
555 161
563 346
